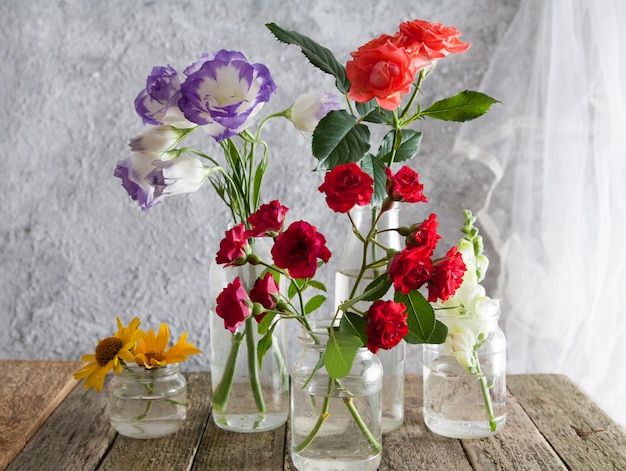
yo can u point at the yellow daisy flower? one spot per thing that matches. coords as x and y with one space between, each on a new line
109 351
150 350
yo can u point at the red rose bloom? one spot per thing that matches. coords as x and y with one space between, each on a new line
382 70
431 40
233 305
386 325
234 248
405 186
410 269
345 186
424 234
265 292
267 220
298 248
447 276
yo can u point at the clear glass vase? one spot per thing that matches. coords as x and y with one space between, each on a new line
246 397
335 424
393 361
465 379
148 403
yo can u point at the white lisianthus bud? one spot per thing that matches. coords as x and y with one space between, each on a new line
184 174
310 108
157 139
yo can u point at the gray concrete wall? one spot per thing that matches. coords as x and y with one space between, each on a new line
75 251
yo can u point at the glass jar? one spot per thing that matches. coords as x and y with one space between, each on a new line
246 397
148 403
465 379
393 361
335 424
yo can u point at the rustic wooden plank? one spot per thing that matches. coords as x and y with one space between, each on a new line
579 431
29 392
519 445
75 437
224 450
174 452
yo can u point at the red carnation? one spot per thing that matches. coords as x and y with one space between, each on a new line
405 186
424 234
268 220
386 325
233 305
265 292
447 276
410 269
298 248
234 248
345 186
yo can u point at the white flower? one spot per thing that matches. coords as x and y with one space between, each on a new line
158 139
310 108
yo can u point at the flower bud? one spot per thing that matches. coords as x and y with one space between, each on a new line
310 108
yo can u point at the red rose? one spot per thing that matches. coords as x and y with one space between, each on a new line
265 292
298 248
424 234
382 70
431 40
405 185
267 220
410 269
386 325
447 276
234 248
233 305
345 186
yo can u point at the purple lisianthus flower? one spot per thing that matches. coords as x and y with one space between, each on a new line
133 171
310 108
158 102
224 92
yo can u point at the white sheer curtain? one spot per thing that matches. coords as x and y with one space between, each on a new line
556 211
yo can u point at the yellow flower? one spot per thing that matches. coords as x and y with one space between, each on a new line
109 351
150 350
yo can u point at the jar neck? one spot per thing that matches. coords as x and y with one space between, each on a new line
157 371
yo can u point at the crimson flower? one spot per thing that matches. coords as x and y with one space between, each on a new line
447 276
424 234
410 269
234 248
298 248
233 305
265 292
405 186
386 325
268 220
345 186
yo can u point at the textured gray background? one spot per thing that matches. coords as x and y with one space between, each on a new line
75 251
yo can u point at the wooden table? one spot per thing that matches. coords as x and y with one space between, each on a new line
46 423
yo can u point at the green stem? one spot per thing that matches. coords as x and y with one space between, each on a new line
255 383
485 390
375 444
318 425
222 392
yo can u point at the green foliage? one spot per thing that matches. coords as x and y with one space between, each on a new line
465 106
339 139
340 352
423 327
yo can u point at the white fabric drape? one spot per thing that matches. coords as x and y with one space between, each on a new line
556 211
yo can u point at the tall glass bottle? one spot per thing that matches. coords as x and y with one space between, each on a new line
393 361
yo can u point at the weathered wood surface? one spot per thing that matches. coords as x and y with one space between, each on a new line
29 392
551 425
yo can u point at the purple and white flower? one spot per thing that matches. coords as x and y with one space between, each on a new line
148 177
224 92
156 139
158 103
310 108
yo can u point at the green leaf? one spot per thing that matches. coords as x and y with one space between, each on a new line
317 285
340 352
339 139
355 325
376 169
375 114
377 288
420 316
319 56
408 148
264 345
294 287
266 322
314 303
465 106
439 334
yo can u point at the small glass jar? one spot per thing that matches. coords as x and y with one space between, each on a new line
465 379
148 403
335 424
392 361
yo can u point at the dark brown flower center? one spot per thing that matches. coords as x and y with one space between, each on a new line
107 349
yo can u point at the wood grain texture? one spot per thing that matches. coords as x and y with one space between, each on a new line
579 431
29 392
